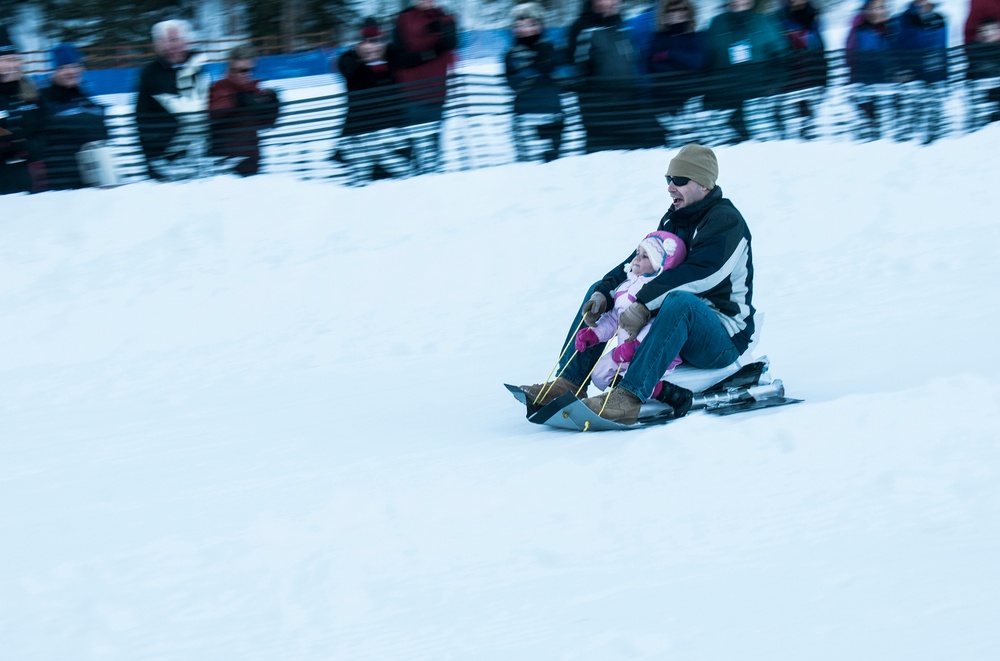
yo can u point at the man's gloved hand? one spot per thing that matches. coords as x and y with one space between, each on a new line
594 308
633 319
625 351
585 339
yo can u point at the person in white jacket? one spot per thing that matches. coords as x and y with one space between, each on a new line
657 252
171 108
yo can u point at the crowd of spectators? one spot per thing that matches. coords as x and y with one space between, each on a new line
764 72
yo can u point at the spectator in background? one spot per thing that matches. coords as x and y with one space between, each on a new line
747 55
529 66
21 122
239 108
72 119
372 145
874 70
983 74
677 60
424 41
613 108
979 10
171 104
923 43
807 68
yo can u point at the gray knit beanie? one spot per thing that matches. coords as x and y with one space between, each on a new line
695 162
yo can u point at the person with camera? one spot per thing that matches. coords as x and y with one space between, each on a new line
238 109
421 57
372 145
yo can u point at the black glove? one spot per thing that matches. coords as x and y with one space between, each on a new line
246 99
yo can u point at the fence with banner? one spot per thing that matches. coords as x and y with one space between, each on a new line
479 130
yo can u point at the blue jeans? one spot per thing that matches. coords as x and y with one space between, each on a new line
684 326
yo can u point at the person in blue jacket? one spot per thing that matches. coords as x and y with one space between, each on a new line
72 119
677 57
923 42
874 69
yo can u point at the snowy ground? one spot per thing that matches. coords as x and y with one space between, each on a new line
264 419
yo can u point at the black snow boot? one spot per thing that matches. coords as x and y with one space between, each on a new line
676 397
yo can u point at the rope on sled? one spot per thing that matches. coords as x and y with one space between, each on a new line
607 345
543 391
608 396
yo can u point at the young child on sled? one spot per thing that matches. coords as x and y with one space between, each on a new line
656 253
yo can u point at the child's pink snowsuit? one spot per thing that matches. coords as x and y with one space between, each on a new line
624 296
606 367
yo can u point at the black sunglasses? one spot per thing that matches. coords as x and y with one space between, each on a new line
243 70
677 181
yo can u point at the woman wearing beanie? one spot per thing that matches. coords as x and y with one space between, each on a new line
529 66
21 124
72 119
701 310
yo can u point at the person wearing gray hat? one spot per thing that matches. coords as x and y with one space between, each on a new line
701 310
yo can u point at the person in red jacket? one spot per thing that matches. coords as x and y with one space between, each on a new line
238 108
979 10
421 56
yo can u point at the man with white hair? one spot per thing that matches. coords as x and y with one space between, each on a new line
171 107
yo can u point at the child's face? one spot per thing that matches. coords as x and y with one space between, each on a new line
641 264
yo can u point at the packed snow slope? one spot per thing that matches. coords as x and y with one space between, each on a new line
264 419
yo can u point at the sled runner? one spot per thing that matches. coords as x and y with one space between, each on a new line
732 389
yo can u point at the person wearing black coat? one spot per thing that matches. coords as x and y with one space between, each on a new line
72 119
677 60
171 108
614 107
529 66
372 145
807 67
21 123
